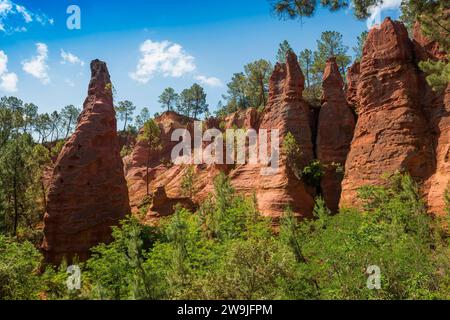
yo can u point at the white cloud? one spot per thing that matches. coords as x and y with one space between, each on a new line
68 57
6 7
209 81
37 65
24 12
8 80
9 9
166 58
375 11
69 82
3 62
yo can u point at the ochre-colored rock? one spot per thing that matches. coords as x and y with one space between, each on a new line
335 133
430 48
286 111
392 132
161 173
352 85
439 182
437 108
88 192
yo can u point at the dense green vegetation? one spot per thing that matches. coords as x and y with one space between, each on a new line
226 250
28 140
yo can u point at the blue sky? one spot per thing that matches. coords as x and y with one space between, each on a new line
148 45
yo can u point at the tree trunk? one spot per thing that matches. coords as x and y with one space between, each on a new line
126 120
263 96
68 127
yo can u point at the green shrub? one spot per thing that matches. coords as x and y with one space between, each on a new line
312 174
19 264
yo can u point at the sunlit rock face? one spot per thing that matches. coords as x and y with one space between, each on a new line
286 111
88 192
393 132
335 133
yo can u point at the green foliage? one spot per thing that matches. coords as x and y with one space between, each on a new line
248 89
312 174
306 61
293 153
393 232
248 270
258 74
438 73
237 91
22 196
142 118
284 48
56 150
361 40
116 270
192 101
18 270
295 9
69 116
227 250
150 135
435 25
187 183
168 99
331 45
126 151
125 110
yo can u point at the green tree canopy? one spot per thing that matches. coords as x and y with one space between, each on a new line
361 40
142 118
169 99
69 116
330 45
125 110
283 50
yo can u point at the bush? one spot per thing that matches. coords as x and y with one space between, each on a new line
19 264
392 232
313 173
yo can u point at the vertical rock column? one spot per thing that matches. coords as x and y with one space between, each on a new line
288 112
335 133
392 132
437 107
88 193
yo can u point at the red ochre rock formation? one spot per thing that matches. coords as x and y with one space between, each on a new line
285 111
437 108
352 84
402 126
392 132
88 192
335 132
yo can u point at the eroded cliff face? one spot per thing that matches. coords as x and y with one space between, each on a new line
437 108
87 193
392 132
335 133
286 111
402 125
352 84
